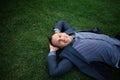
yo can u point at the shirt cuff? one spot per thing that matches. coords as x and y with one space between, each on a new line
52 53
56 30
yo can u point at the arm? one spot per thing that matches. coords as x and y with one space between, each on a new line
57 69
62 26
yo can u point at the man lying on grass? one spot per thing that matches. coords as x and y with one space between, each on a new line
83 49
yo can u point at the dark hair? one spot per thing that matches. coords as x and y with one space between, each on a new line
50 40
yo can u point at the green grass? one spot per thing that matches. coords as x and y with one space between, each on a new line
25 25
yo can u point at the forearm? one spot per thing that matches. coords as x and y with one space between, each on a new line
61 26
57 69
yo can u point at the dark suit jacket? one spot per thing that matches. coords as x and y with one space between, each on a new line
69 57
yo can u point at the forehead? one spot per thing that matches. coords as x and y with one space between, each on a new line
54 38
56 35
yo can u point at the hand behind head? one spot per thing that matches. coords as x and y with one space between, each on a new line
52 48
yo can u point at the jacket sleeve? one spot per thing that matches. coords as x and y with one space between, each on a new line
62 26
58 69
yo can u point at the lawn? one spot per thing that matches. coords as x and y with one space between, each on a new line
26 24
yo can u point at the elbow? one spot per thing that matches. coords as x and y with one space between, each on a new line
53 74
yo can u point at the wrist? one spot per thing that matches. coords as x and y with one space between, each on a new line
52 50
52 53
56 30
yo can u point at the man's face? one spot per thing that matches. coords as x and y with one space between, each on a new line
61 39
